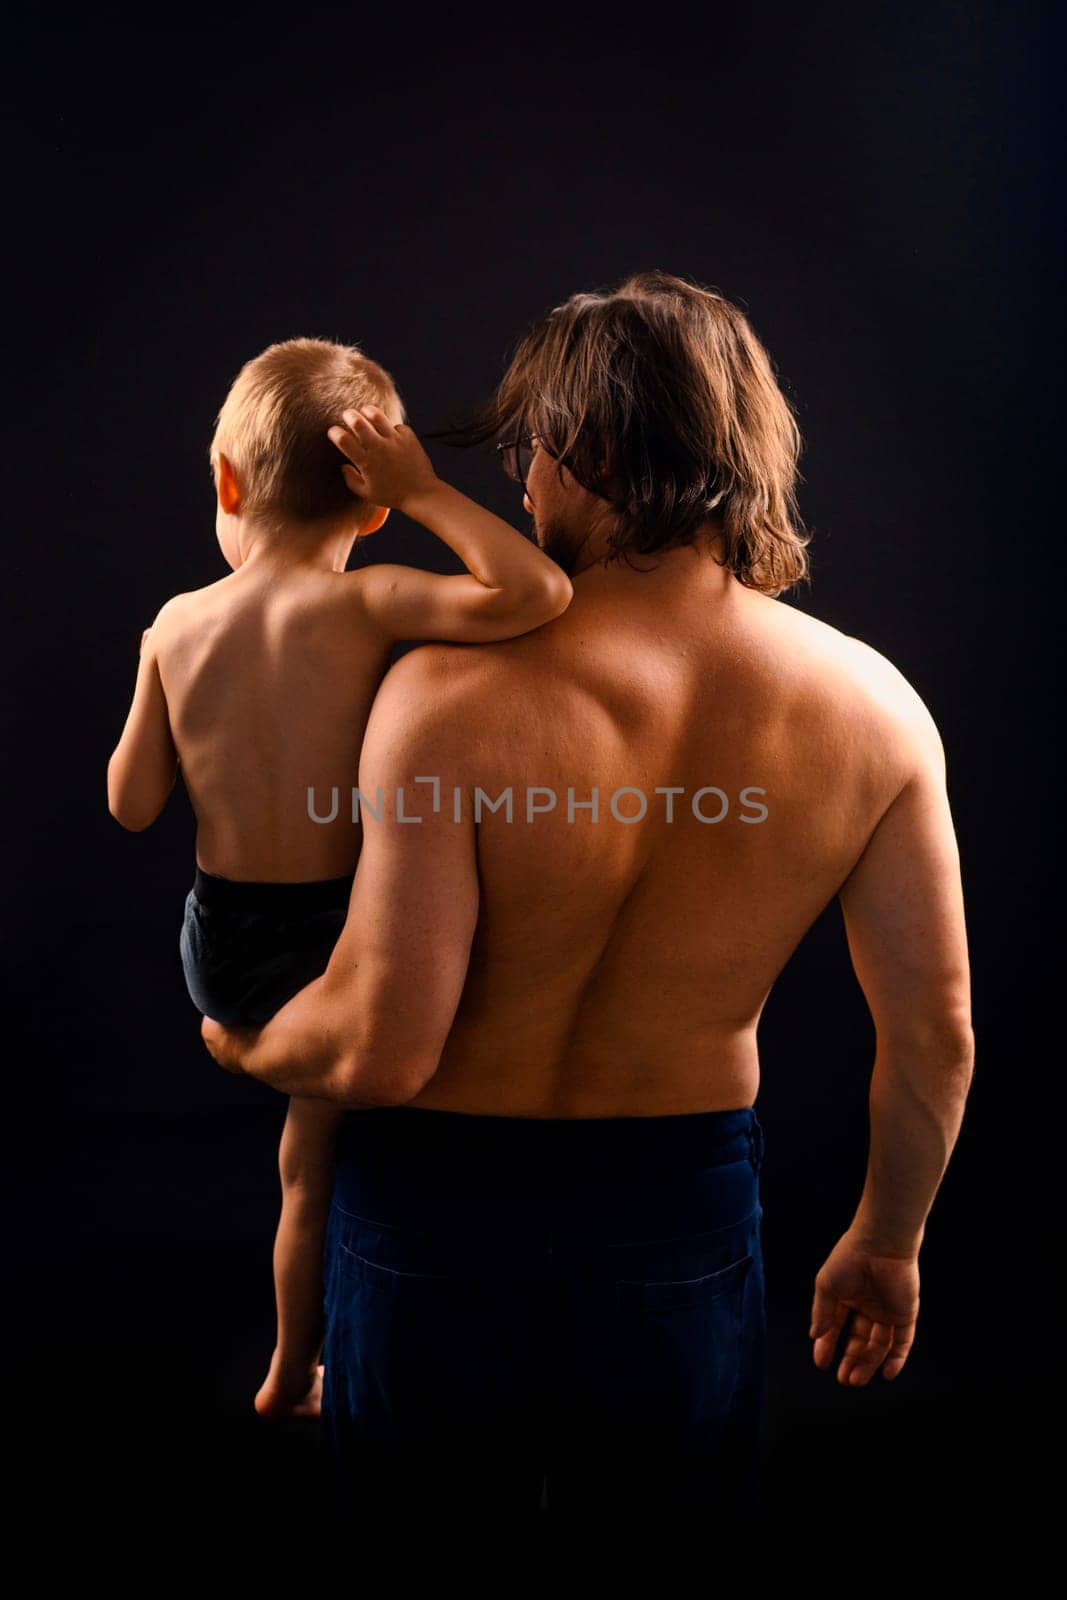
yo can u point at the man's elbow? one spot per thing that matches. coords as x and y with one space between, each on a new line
394 1080
942 1038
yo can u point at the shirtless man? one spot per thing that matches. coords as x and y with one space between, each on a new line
583 986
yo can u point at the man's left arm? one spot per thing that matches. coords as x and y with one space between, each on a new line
370 1031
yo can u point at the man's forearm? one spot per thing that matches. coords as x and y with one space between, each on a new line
302 1051
917 1097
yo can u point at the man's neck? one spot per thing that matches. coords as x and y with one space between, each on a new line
677 569
596 549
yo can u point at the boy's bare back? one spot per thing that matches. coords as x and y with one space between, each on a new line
269 678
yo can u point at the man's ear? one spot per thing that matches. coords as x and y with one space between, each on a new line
229 490
606 472
374 521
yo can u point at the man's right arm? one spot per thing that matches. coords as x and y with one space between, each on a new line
904 919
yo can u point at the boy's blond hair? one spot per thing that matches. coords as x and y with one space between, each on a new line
272 426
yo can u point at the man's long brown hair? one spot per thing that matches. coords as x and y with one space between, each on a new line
657 396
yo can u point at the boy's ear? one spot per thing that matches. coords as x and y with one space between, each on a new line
374 521
229 490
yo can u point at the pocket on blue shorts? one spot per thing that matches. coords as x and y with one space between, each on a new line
425 1343
680 1336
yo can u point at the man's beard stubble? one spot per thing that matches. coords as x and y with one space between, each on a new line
559 543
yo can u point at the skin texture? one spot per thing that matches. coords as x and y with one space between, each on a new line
552 969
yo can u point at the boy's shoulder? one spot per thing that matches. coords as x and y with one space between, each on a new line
183 609
180 605
360 592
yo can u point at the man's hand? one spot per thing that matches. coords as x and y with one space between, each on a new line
386 463
878 1296
228 1045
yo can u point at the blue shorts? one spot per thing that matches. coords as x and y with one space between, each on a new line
527 1314
247 948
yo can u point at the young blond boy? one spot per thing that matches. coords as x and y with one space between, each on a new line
260 685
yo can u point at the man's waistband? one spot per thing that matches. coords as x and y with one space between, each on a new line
404 1164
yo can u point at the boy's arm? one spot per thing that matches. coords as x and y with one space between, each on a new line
408 603
510 586
144 763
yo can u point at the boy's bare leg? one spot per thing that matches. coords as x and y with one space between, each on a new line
293 1386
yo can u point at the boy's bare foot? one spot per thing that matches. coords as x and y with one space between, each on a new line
288 1392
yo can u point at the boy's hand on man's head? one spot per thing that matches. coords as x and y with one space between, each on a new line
385 463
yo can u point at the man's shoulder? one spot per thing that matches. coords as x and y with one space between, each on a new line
886 687
452 700
849 661
459 675
866 688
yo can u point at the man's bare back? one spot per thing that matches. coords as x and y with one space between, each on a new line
620 969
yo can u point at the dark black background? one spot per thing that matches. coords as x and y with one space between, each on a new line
869 185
